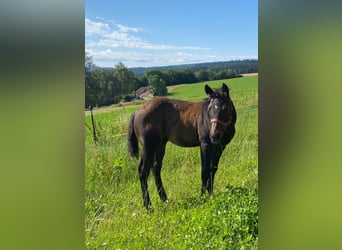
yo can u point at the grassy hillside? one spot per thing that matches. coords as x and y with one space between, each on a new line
195 92
115 216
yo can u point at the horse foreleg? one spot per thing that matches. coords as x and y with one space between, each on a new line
215 158
158 160
205 158
210 183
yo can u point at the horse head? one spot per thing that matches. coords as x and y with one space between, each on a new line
220 112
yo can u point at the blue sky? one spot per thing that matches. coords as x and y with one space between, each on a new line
159 33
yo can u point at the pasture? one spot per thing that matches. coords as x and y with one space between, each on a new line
115 217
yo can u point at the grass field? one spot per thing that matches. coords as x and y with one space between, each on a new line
115 216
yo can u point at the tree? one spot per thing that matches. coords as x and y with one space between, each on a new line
156 85
141 81
91 87
171 77
189 76
224 74
88 62
202 75
90 90
125 78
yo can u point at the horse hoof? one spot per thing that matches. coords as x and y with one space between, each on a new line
150 210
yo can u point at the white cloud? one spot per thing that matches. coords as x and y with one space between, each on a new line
95 28
109 58
110 43
107 36
124 28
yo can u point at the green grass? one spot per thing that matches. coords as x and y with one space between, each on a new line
115 216
194 92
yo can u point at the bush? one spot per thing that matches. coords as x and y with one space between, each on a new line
127 98
156 85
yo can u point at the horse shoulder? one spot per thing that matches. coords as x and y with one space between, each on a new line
203 125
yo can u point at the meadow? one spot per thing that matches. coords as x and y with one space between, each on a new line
115 217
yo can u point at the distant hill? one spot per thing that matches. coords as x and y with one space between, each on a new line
241 66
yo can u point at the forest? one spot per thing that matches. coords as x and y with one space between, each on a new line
106 86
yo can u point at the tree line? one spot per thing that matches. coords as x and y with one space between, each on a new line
109 86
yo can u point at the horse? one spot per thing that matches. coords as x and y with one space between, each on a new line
209 124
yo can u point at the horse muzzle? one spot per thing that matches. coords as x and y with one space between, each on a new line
214 134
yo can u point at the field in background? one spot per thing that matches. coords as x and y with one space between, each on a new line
115 216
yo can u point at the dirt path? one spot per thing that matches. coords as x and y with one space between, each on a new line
172 87
250 74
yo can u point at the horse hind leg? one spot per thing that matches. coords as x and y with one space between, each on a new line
144 171
157 166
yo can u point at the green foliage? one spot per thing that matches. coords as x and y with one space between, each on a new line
127 98
156 85
226 221
115 216
205 75
105 87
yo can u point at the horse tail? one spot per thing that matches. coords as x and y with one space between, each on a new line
133 147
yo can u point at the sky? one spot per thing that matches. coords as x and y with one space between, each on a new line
161 33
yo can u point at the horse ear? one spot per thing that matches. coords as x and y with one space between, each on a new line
208 90
225 89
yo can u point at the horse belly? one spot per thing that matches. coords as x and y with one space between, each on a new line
184 137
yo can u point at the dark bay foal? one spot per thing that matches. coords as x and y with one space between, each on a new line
209 124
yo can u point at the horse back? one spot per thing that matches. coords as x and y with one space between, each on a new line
170 119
